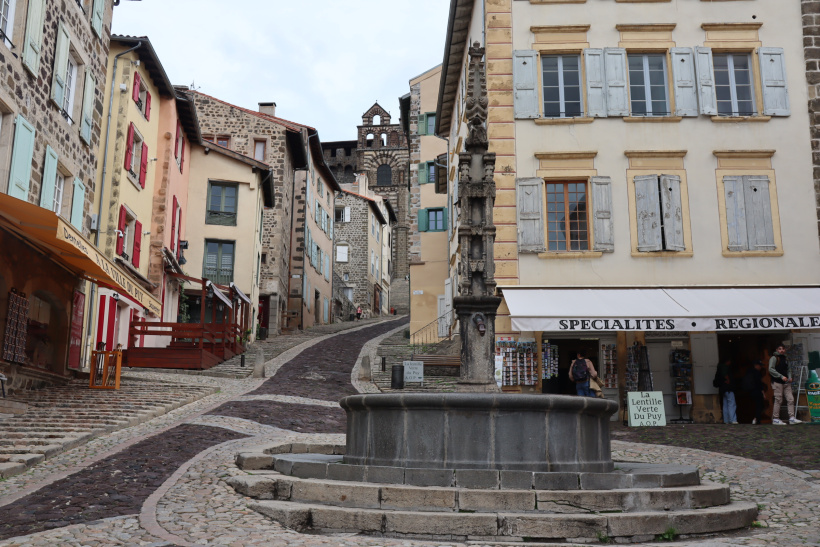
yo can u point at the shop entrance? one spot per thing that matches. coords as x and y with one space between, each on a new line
568 348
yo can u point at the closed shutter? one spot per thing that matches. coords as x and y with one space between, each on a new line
596 82
423 220
735 213
647 205
308 244
148 106
176 141
347 214
445 223
135 89
143 164
617 97
326 311
683 74
602 214
525 84
704 69
775 87
530 215
422 124
129 148
88 107
78 205
341 253
33 44
330 221
21 157
135 256
672 210
759 225
423 173
327 267
58 89
174 224
49 179
121 229
97 16
182 152
179 230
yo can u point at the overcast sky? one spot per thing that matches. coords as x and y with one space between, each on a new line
324 62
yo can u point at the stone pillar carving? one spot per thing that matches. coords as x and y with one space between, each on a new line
476 304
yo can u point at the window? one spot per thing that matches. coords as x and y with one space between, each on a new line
223 141
70 83
372 224
427 123
348 292
59 189
346 277
136 156
259 147
142 97
648 85
342 253
749 222
432 220
427 172
221 204
567 225
342 214
372 262
219 261
7 20
561 76
660 213
733 84
384 175
129 236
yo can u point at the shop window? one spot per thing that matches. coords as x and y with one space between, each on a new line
222 204
567 223
659 211
219 260
561 78
648 90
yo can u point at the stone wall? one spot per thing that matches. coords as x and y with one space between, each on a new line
355 235
341 157
414 237
811 48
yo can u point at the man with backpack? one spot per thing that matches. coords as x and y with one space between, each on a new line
723 381
580 371
781 384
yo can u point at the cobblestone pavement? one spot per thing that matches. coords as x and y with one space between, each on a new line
194 505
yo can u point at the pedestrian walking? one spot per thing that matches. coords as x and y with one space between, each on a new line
781 384
580 371
358 313
726 387
754 386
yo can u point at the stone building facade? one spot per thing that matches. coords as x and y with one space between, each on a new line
342 158
811 50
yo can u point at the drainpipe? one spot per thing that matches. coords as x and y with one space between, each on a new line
90 322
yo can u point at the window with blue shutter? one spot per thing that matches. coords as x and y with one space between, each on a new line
49 179
21 157
33 45
78 206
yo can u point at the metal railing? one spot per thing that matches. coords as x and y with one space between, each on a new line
429 336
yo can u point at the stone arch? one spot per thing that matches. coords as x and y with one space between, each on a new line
369 140
383 140
377 120
384 175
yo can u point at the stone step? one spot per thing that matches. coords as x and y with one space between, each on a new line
504 524
410 498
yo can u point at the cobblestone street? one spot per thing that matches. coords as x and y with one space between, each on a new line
162 482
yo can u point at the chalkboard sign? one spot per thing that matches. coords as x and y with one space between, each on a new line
413 372
646 408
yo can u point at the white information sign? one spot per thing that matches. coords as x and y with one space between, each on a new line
646 408
413 372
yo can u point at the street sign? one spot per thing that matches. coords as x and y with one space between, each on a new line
413 372
646 408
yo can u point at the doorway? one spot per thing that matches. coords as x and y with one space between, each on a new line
568 348
317 309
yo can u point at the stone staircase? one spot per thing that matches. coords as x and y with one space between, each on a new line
63 417
396 349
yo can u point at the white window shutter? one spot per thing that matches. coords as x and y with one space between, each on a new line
347 214
88 107
617 96
704 68
647 207
78 205
775 87
602 214
596 82
58 82
683 73
49 179
733 193
97 15
34 35
758 213
672 211
530 215
21 156
525 84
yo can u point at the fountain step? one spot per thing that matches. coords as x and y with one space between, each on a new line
274 486
503 524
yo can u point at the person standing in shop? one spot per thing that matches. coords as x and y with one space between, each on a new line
727 391
781 383
580 371
754 386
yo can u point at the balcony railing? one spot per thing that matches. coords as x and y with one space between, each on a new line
220 276
220 218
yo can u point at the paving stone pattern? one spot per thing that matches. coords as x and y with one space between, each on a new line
294 417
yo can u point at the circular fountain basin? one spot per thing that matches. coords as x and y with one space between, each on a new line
479 431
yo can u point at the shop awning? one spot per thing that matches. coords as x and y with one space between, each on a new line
694 310
239 293
67 246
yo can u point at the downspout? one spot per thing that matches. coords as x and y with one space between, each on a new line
90 322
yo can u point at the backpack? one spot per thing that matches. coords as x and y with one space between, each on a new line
580 371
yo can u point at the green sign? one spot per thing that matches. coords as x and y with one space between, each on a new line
813 396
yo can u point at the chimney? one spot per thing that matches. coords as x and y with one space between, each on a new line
267 108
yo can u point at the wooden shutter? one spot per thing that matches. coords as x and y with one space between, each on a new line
327 269
49 179
422 124
78 205
596 82
683 74
733 193
147 106
775 87
143 164
174 224
33 44
21 158
704 68
444 221
135 255
529 194
347 214
341 253
58 82
97 16
672 211
121 228
129 147
179 230
182 154
602 214
617 96
88 106
423 173
135 89
330 221
423 220
525 84
758 213
648 209
176 141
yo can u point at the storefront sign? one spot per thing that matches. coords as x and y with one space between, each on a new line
646 408
710 324
75 345
413 372
68 234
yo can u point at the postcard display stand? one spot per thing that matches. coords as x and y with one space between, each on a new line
520 362
680 368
